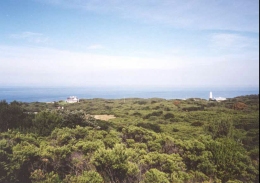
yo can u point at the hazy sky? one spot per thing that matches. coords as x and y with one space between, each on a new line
129 42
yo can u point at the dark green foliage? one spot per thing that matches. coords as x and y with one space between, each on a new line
212 104
231 161
72 119
140 102
221 128
45 122
113 163
140 135
103 125
155 113
168 116
247 124
167 109
175 130
11 116
137 114
195 108
150 126
197 123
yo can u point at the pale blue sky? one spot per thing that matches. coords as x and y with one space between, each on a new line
121 42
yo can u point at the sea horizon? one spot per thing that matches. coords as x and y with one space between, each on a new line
51 94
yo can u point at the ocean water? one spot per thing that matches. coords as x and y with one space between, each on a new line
49 94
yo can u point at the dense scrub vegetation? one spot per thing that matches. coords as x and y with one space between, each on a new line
150 141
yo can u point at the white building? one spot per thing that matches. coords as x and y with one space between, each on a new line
72 99
220 98
215 99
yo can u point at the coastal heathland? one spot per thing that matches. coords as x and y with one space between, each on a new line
130 140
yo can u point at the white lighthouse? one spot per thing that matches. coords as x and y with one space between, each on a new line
210 96
215 98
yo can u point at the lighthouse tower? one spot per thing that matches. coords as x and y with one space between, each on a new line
210 96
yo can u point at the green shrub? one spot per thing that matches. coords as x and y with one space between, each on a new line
197 123
155 113
137 114
155 176
175 130
150 126
168 116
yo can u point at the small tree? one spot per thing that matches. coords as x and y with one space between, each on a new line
155 176
221 128
44 122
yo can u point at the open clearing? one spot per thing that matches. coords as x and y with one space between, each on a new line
104 117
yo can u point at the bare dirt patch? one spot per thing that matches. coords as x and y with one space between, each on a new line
104 117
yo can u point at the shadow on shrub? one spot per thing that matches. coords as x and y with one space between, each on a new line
150 126
197 123
175 130
168 116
